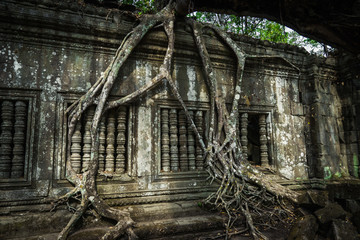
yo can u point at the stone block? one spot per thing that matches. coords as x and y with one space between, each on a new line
342 135
324 109
354 148
347 126
304 228
323 97
352 168
329 212
302 211
330 124
344 230
323 137
343 149
318 198
356 220
321 149
353 137
352 206
297 109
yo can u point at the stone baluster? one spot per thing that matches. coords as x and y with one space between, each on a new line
238 126
18 161
174 160
110 141
263 141
165 140
87 139
244 134
7 115
102 141
199 151
121 140
268 142
75 148
184 165
191 143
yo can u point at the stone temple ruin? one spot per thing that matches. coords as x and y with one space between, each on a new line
303 125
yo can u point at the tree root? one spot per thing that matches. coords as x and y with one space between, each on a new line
98 94
243 189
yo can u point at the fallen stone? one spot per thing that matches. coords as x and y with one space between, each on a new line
344 230
304 199
356 220
329 212
304 228
302 212
319 198
352 206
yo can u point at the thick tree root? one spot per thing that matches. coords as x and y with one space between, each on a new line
98 94
243 189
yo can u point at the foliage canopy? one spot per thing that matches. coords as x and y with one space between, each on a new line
258 28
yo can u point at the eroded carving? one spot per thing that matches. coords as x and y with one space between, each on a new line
7 115
184 166
87 140
75 149
174 161
121 140
263 141
18 161
191 144
165 140
110 141
244 134
102 141
199 152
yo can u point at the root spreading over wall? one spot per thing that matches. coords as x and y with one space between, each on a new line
243 189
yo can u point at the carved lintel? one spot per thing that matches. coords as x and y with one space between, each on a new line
174 151
18 161
165 140
263 141
6 138
121 140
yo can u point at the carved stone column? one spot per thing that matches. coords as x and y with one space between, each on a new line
18 161
165 140
184 165
102 141
75 149
87 139
7 115
244 134
191 144
199 152
174 160
110 141
263 141
121 140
